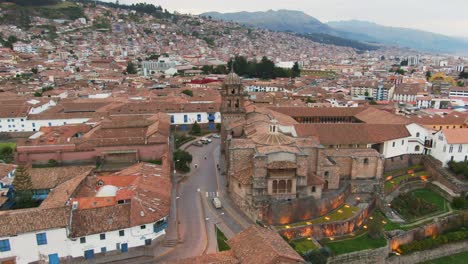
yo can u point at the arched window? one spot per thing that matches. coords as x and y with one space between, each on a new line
275 186
416 148
237 103
313 189
233 91
282 186
229 103
326 174
289 186
366 161
417 134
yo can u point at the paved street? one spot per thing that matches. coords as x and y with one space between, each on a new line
196 213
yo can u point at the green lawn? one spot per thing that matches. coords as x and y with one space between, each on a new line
431 197
8 144
221 238
460 258
387 224
302 245
358 243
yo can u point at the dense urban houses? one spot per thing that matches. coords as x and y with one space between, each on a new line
123 139
87 214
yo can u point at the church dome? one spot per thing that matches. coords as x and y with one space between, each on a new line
232 79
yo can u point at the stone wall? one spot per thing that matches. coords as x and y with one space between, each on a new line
422 256
402 162
286 212
444 176
332 229
432 229
370 256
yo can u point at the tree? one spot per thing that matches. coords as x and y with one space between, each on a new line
188 92
295 71
196 129
428 75
22 180
6 154
34 70
400 71
182 160
461 83
366 93
463 75
131 68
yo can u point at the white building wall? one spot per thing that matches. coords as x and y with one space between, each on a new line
22 124
26 250
394 148
192 117
24 246
445 152
418 137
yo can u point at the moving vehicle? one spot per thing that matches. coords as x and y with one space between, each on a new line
217 203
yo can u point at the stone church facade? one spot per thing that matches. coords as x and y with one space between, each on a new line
268 163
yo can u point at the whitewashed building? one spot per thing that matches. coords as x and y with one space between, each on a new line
450 145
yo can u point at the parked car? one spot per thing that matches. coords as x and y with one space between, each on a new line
217 203
205 140
198 143
216 136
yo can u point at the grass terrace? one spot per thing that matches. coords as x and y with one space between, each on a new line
342 213
387 224
7 144
392 182
351 244
303 245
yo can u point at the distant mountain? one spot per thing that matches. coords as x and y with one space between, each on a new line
281 20
291 21
404 37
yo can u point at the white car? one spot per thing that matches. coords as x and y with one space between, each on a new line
217 203
216 136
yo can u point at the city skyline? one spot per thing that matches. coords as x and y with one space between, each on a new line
409 14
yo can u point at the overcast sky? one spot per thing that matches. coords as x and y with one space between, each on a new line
447 17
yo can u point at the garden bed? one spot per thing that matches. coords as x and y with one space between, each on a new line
358 243
418 203
303 245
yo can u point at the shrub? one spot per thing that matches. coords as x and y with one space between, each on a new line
188 92
182 160
429 243
459 203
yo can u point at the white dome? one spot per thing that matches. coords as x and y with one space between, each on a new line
107 191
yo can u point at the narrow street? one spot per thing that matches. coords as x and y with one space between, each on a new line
196 214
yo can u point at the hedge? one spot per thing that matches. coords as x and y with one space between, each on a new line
429 243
